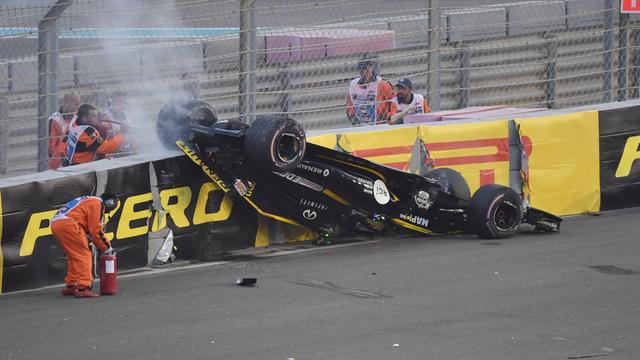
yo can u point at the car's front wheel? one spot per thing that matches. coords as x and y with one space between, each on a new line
495 212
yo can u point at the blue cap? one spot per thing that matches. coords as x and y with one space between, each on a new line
363 64
405 83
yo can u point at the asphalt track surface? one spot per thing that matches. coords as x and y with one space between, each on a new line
574 295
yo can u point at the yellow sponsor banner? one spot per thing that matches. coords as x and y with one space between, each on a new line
327 140
391 147
175 202
564 162
478 150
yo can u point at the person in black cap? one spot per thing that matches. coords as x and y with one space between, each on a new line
369 97
406 102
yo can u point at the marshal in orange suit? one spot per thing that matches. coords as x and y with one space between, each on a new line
87 137
74 226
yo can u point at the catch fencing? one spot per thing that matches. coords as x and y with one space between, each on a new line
296 58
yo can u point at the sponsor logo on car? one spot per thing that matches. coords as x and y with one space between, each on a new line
547 224
380 192
314 169
420 221
423 200
367 185
300 180
198 161
309 214
240 187
314 204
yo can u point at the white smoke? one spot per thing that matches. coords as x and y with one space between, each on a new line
123 25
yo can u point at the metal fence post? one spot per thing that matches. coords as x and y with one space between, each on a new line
247 87
634 65
607 51
4 135
47 75
284 99
434 54
11 77
463 77
551 54
76 70
623 58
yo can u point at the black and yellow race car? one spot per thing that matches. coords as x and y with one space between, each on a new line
270 165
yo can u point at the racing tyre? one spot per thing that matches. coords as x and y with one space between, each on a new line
176 117
273 143
495 212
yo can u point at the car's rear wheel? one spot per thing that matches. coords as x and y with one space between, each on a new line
452 183
176 117
273 143
495 212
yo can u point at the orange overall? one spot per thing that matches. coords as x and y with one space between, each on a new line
79 221
58 129
85 143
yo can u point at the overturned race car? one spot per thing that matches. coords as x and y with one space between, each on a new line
272 167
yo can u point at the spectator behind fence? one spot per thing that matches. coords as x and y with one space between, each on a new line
85 141
59 123
116 118
406 102
369 97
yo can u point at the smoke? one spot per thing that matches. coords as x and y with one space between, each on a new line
142 54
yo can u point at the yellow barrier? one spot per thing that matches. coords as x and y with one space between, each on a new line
327 140
479 151
391 147
564 164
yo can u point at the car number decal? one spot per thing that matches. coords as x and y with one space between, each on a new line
380 192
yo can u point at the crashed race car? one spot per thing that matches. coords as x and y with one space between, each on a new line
270 165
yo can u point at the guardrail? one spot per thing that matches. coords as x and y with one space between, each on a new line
575 161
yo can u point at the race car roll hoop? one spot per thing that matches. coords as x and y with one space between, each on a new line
270 165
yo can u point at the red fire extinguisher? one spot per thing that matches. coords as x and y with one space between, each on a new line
108 270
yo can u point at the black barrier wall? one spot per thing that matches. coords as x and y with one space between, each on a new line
31 256
619 157
204 219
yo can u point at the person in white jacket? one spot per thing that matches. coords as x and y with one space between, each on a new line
406 102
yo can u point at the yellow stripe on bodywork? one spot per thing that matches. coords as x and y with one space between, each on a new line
276 217
414 227
377 173
198 161
1 256
213 176
335 197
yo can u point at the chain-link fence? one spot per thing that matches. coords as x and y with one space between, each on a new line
297 58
